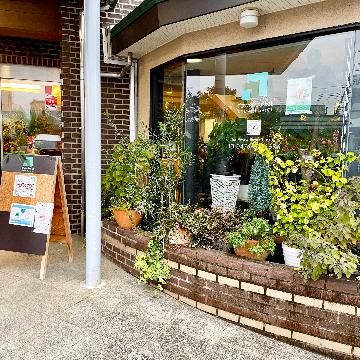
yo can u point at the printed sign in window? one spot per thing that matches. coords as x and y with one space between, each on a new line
253 127
298 100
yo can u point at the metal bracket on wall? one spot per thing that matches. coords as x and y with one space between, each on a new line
109 58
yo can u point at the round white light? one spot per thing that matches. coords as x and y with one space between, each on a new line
249 18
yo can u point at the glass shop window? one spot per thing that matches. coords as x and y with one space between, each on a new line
30 110
306 90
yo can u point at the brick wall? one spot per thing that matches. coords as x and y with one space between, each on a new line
29 52
115 92
274 299
115 100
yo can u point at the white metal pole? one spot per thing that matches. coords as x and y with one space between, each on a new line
133 99
92 142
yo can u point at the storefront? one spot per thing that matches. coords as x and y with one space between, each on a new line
293 75
306 90
296 72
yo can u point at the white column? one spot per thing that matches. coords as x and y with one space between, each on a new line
133 101
92 141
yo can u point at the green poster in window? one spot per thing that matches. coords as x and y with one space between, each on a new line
298 99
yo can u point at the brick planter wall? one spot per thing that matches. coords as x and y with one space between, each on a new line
270 298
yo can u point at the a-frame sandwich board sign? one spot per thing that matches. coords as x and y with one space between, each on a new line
33 207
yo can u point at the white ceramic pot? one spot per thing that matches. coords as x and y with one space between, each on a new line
292 256
224 191
243 193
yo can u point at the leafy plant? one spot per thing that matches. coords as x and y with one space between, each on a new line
259 190
151 265
211 226
225 135
317 214
167 171
172 161
125 184
296 204
329 249
254 229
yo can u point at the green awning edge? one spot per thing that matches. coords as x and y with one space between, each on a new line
134 15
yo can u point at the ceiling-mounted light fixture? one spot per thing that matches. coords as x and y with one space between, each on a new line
193 61
249 18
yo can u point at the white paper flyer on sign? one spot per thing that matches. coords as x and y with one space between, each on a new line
25 186
43 217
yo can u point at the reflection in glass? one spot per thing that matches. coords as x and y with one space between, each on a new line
29 109
306 90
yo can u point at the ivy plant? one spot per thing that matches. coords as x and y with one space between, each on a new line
151 265
316 213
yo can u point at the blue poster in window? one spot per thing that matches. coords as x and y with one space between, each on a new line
256 85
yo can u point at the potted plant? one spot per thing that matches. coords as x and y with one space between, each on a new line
254 240
302 204
222 144
125 184
222 150
177 224
292 252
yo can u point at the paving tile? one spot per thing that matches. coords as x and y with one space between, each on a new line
47 338
58 319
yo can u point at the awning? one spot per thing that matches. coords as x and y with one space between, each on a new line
156 22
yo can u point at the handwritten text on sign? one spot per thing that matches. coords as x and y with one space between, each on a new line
25 186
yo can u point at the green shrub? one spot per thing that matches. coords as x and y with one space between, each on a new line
125 184
259 190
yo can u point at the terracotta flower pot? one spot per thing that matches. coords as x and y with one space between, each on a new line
244 251
279 239
127 219
179 236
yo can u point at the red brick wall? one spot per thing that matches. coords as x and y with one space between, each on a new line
29 52
323 315
115 92
115 100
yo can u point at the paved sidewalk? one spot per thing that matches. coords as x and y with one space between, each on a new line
58 319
